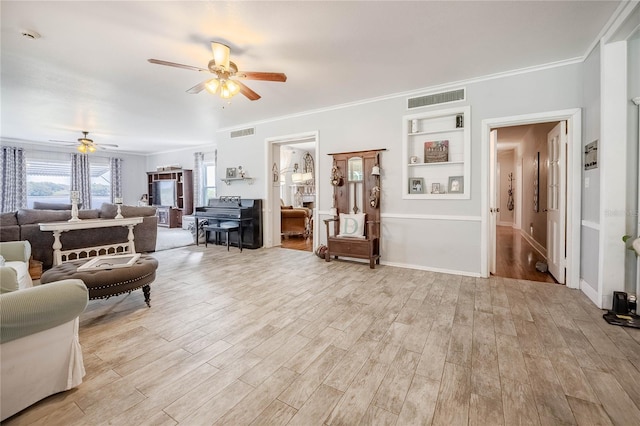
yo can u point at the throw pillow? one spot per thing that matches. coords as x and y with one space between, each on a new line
351 225
1 260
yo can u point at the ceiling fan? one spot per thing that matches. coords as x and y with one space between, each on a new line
225 74
85 144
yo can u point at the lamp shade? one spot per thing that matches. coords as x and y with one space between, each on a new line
212 86
220 54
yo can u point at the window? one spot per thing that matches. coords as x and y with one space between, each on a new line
49 181
209 189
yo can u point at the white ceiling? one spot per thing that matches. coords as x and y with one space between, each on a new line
89 69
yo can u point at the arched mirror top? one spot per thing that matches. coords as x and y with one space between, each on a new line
355 169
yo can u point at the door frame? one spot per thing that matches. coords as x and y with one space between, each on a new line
573 117
272 192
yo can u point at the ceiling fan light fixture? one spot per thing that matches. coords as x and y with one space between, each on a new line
82 148
228 89
212 86
92 148
221 54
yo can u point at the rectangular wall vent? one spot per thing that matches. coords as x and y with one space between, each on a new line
436 98
244 132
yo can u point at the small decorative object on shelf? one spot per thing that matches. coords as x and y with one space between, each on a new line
241 172
436 152
416 186
118 203
435 188
459 121
414 126
231 172
75 197
456 184
413 159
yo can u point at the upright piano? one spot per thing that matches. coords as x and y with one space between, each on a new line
246 212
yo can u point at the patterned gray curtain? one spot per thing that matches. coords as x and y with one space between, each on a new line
81 178
198 179
116 177
13 169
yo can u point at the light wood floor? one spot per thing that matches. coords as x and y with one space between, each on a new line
516 258
275 336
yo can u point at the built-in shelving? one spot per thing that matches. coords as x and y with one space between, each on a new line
436 154
171 215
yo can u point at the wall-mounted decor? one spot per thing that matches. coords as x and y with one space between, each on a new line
416 186
456 184
436 152
231 172
591 155
536 182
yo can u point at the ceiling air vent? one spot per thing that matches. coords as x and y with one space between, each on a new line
436 98
244 132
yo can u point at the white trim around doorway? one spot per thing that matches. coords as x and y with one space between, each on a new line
574 182
270 239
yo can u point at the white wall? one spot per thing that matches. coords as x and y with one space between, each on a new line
589 265
430 234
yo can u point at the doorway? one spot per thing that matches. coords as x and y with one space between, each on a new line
521 203
570 257
292 163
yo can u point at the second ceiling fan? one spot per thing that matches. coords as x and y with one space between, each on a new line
226 74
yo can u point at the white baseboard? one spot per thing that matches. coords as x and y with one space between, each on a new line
430 269
590 293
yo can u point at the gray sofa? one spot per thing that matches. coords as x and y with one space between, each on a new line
24 225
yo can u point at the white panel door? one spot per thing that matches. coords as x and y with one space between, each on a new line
556 197
493 205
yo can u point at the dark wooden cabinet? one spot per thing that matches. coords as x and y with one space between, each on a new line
176 186
356 189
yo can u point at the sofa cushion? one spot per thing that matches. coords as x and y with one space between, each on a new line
39 205
9 228
109 211
22 269
8 219
31 216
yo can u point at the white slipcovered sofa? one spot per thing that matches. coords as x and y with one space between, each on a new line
40 352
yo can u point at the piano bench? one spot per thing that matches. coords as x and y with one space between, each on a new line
222 227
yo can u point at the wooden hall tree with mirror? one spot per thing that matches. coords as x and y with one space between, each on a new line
355 233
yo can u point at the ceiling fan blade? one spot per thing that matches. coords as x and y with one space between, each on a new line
173 64
106 144
250 94
198 88
64 142
264 76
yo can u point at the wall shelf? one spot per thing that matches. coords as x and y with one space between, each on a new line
436 146
228 181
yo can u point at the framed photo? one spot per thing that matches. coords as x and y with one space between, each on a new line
232 172
435 188
416 185
436 151
456 184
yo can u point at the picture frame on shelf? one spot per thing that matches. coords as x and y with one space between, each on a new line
232 172
436 151
435 188
416 185
456 184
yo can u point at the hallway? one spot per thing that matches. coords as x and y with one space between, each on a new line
516 258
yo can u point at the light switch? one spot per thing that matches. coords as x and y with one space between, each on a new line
586 182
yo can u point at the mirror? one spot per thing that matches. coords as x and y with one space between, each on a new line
355 170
